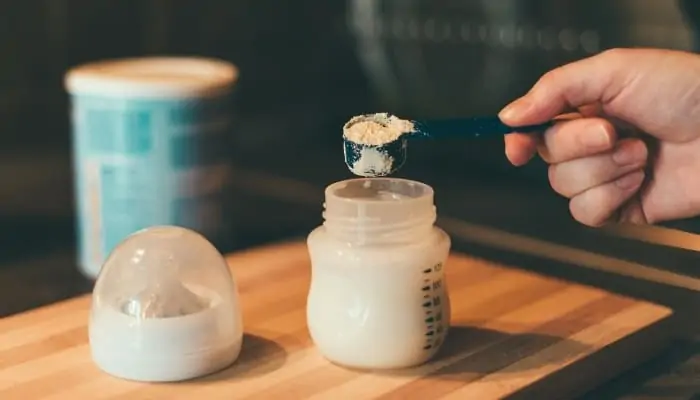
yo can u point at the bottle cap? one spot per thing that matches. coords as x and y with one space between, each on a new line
165 308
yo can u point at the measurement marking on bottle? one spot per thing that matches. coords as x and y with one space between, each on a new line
432 292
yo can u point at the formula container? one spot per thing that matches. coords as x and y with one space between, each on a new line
150 148
378 297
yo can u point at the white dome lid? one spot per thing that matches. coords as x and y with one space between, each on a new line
165 308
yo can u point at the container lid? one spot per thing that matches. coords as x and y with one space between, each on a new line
164 308
152 77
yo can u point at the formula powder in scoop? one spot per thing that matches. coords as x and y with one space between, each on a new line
376 129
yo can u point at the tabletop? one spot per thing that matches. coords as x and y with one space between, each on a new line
513 334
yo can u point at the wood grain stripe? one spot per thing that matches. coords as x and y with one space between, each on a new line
55 311
569 255
657 235
517 375
46 345
526 349
38 368
42 327
496 358
52 383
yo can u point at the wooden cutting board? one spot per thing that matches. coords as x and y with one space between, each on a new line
514 333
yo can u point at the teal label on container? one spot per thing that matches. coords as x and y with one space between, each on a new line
140 163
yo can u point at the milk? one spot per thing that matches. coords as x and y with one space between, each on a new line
378 295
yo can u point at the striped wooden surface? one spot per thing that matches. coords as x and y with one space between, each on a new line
514 334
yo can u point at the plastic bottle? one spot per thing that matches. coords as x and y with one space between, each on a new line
378 298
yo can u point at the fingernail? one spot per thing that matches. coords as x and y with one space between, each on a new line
507 152
513 159
599 139
515 109
630 153
630 181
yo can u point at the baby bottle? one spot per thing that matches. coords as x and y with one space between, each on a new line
378 298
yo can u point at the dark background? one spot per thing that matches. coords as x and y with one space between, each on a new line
306 67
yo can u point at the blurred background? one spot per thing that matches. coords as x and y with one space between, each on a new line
306 67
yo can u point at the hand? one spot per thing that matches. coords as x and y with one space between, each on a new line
630 152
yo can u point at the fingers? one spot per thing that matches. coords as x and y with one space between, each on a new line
633 212
520 147
573 177
597 183
596 206
576 138
596 79
564 141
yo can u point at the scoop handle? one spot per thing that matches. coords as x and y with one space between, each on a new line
475 126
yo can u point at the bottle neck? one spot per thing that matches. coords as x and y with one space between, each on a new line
365 231
379 211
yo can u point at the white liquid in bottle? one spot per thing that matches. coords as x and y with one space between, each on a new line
378 297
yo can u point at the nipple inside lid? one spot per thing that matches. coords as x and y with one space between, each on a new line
164 295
